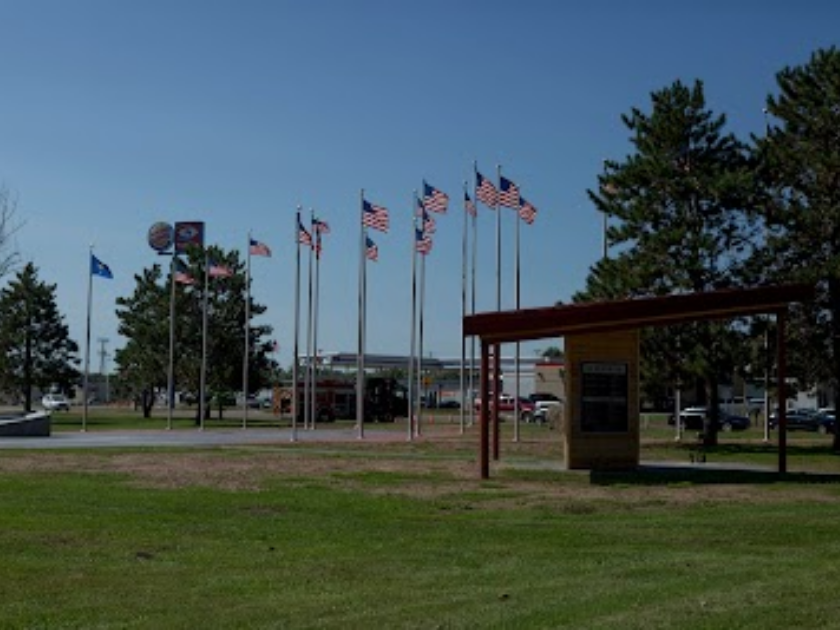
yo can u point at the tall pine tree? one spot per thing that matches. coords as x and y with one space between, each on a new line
35 344
677 224
799 163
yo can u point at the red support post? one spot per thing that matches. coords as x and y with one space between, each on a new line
484 410
781 357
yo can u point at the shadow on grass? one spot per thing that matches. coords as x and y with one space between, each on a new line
654 475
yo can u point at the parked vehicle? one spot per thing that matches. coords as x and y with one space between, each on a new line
822 421
692 419
449 403
526 409
55 402
384 400
505 402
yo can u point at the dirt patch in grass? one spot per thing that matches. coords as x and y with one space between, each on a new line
444 468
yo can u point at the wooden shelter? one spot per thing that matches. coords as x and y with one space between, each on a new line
496 328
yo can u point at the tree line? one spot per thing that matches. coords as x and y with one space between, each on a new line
695 208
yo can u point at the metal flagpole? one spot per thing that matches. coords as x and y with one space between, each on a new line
411 392
308 411
463 315
498 243
202 387
420 388
170 376
472 300
87 339
497 373
295 360
516 413
316 234
360 358
246 327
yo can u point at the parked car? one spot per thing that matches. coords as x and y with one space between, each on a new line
505 402
822 421
692 419
526 409
55 402
449 403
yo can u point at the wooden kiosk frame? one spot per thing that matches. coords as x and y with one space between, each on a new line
496 328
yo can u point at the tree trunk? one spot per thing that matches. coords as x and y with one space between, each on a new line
834 307
710 423
147 401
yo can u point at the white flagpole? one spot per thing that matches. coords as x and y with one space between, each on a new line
360 358
316 244
170 377
246 327
308 411
87 339
411 392
202 387
296 359
463 314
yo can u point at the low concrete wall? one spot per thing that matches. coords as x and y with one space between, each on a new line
35 424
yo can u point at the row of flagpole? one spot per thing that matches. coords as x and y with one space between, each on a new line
376 217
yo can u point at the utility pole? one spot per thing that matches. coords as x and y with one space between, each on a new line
103 354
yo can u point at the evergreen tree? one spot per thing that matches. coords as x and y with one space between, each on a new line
799 163
678 224
35 344
144 321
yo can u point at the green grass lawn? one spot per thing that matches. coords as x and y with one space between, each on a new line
363 535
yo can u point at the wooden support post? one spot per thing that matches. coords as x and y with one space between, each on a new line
484 410
782 395
497 386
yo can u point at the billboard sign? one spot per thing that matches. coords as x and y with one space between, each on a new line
187 234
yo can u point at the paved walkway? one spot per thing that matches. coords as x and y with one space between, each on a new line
194 437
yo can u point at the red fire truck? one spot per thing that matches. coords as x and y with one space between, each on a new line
335 399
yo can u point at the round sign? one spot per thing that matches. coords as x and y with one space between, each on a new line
160 236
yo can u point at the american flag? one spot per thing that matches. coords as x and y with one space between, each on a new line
422 241
374 216
258 248
304 237
318 247
182 276
319 226
218 270
485 191
371 250
429 225
526 211
434 199
469 205
508 193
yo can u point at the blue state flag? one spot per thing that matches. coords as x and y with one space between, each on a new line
99 268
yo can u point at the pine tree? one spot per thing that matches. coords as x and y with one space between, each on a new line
35 344
799 163
144 321
677 223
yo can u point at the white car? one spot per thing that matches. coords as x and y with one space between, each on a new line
55 402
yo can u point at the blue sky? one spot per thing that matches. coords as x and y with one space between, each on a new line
118 114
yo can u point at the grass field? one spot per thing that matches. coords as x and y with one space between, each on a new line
361 534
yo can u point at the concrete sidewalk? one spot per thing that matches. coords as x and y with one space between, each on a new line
193 437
